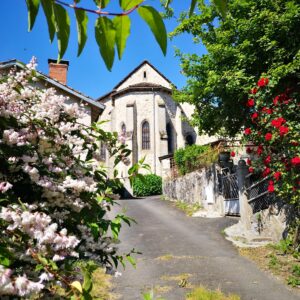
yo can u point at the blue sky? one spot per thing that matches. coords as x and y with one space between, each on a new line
88 73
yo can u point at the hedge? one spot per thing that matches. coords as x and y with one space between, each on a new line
147 185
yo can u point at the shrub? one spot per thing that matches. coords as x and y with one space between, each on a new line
194 157
54 195
147 185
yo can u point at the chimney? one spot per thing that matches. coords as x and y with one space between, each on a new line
58 71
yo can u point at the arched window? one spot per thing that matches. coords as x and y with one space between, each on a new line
123 129
170 138
145 135
122 136
189 140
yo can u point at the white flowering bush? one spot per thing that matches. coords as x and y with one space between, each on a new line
54 195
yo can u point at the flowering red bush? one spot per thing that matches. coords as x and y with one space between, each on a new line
275 134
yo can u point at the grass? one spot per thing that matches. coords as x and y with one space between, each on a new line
275 259
102 286
188 208
202 293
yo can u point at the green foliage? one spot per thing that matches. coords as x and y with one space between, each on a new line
156 24
147 185
194 157
111 29
81 21
256 35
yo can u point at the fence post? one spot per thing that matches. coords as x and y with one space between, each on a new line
245 208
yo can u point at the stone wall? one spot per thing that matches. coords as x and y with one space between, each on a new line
197 187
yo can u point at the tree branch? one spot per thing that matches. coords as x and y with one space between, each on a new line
98 11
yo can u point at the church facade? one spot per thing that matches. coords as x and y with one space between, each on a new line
142 111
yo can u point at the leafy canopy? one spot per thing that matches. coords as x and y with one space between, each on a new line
111 29
257 36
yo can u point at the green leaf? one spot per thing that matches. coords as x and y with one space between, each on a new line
156 24
33 8
105 34
81 21
101 3
192 7
122 26
62 26
131 260
115 227
221 6
49 13
77 285
129 4
5 257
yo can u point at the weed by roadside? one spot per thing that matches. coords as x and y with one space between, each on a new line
188 208
279 259
202 293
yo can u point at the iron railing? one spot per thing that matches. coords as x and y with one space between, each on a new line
259 197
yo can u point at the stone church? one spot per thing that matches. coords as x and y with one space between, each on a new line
140 108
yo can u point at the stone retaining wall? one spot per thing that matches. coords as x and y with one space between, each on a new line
196 187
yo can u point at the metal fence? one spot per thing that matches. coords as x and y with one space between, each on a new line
259 197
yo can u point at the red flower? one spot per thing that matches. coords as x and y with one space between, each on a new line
249 162
259 150
247 131
249 150
267 110
267 160
283 130
232 154
263 82
295 161
251 170
276 100
254 116
278 122
253 91
277 175
250 102
268 136
271 187
294 143
266 172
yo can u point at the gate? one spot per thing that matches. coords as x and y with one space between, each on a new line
230 192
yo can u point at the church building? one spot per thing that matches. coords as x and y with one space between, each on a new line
140 108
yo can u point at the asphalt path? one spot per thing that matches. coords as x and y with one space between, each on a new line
176 247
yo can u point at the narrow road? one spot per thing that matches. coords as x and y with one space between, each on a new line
177 247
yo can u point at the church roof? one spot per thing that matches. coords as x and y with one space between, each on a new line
139 87
142 86
139 66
